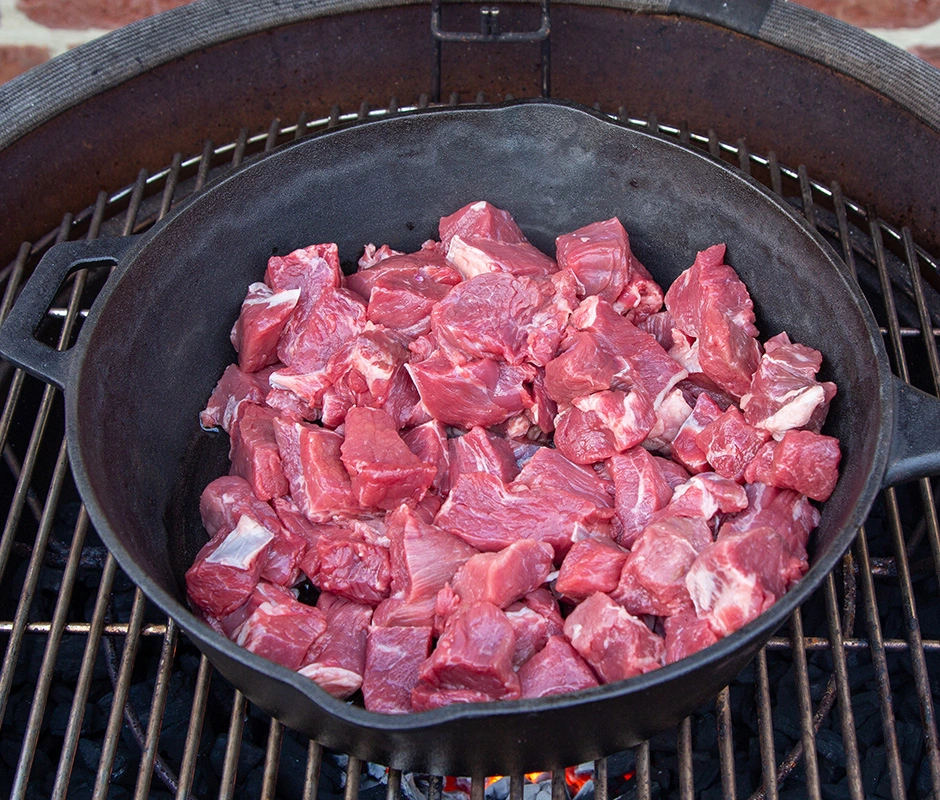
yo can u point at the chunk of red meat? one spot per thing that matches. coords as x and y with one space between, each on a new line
483 392
686 634
598 255
615 643
739 576
711 304
393 656
789 513
404 302
483 220
227 569
641 490
429 443
395 612
730 444
256 332
641 297
534 620
225 500
583 367
254 454
543 410
503 577
804 461
490 515
555 669
474 256
549 470
309 268
481 451
591 565
372 255
384 473
784 393
474 653
603 424
671 415
423 557
427 265
233 389
319 483
336 660
362 372
705 495
280 628
641 360
660 326
653 576
684 448
353 569
425 697
675 474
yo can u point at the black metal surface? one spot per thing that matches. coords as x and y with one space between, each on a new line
556 168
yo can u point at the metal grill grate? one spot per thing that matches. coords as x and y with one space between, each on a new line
101 696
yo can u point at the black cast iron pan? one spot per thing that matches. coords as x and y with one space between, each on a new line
156 341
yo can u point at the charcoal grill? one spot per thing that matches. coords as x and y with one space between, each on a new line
100 696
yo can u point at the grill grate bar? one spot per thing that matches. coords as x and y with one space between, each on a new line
194 730
393 785
312 774
600 779
84 628
271 758
354 773
643 788
805 705
726 743
766 730
232 747
686 768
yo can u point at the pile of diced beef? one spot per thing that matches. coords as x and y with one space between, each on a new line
506 475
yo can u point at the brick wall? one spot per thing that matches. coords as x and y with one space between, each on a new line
32 31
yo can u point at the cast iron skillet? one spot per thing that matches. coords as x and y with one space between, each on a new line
156 341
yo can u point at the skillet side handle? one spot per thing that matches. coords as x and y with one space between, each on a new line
18 341
915 443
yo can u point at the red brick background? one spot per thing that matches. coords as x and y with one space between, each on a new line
33 30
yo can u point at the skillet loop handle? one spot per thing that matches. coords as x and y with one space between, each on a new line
915 444
18 341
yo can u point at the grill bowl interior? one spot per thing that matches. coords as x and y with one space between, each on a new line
157 339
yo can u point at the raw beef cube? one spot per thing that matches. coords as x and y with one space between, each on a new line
653 577
474 653
502 578
362 372
705 495
711 304
671 415
804 461
353 569
555 669
309 269
395 612
598 255
404 302
423 557
660 326
481 451
641 360
686 634
372 255
426 265
280 628
534 620
319 483
740 576
592 565
550 470
254 452
483 220
543 411
474 256
489 515
425 697
603 424
684 448
393 656
429 443
582 368
234 388
256 332
615 643
730 444
337 660
482 392
287 550
384 472
227 569
675 474
789 513
784 393
225 500
641 297
641 491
